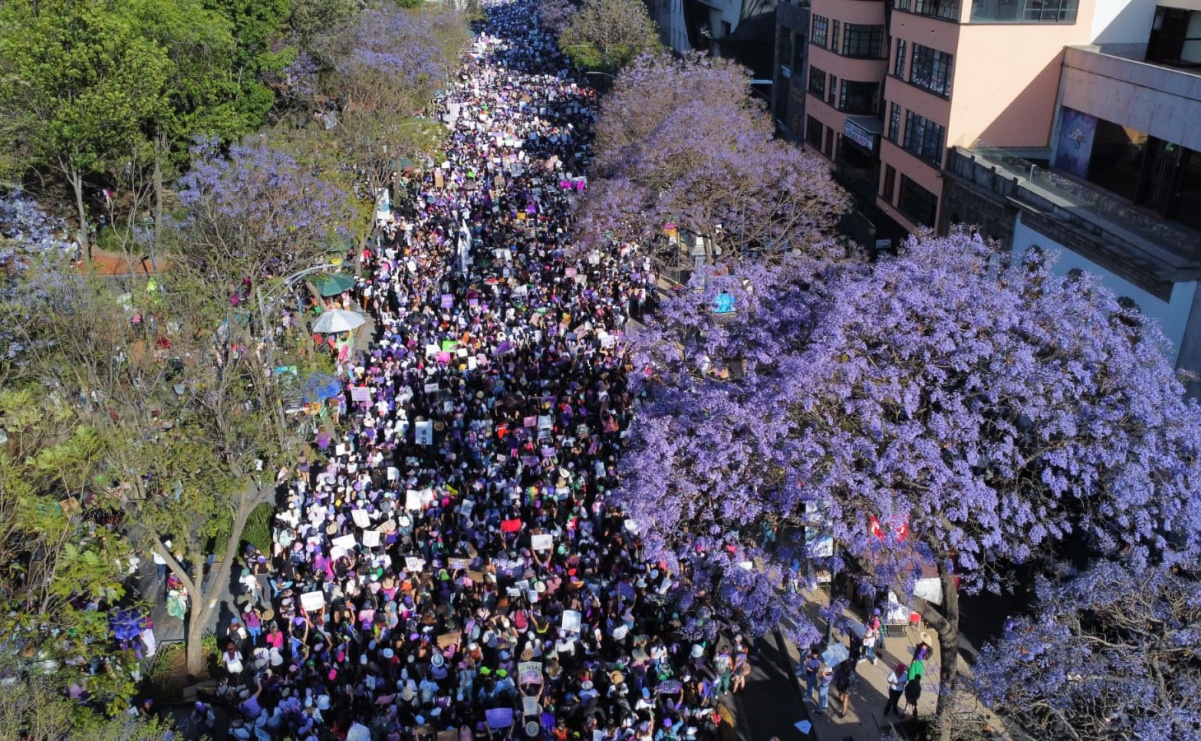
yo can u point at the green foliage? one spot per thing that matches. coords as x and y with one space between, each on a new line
256 24
35 709
607 35
81 82
258 527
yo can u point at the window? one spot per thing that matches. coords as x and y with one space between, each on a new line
832 88
865 42
859 97
817 82
931 70
1175 37
894 123
813 132
924 138
829 150
1024 11
898 67
890 182
835 35
945 9
784 50
821 30
918 204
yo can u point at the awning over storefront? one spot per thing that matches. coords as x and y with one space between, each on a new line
863 130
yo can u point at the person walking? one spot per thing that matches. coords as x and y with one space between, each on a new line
845 677
896 688
871 636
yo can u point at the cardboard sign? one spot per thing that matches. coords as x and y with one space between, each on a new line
448 300
414 563
529 672
312 601
499 719
360 393
371 538
529 705
457 564
542 542
413 500
346 541
449 639
442 357
361 518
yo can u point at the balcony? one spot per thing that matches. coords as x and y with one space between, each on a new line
1139 245
1159 100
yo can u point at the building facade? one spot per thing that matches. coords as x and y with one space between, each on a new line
790 76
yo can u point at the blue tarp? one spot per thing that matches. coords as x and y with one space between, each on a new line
319 387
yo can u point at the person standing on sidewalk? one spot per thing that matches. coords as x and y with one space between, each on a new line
811 667
896 688
871 636
823 690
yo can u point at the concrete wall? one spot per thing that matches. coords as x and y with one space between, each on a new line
1173 315
1125 23
1006 79
1162 102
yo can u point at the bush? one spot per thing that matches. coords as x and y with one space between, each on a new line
258 527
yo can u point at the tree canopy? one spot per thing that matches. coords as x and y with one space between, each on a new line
990 410
605 34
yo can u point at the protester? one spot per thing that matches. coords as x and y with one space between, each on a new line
451 564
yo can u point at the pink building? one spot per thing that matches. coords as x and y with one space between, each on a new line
892 87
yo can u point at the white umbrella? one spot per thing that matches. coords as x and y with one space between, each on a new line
338 320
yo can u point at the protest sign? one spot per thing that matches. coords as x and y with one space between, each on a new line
529 672
312 601
542 542
346 541
360 393
371 538
361 518
570 623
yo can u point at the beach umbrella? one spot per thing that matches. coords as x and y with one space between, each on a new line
337 321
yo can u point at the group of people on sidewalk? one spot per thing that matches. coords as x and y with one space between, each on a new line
451 568
905 680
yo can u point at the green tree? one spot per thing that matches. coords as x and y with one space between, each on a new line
184 404
608 34
258 26
35 709
80 85
56 567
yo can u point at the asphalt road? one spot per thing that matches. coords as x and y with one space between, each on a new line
771 704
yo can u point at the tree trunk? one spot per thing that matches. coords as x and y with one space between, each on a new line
194 637
948 652
75 177
945 623
160 143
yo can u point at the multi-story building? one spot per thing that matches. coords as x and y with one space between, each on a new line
1066 124
790 76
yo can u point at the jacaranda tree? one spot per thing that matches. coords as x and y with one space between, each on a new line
990 410
684 142
1108 653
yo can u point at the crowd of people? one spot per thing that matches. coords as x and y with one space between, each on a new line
450 567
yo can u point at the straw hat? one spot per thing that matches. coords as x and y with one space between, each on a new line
616 677
268 615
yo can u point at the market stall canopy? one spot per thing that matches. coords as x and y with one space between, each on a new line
333 284
338 320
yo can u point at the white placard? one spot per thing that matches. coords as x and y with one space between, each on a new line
371 538
413 500
361 518
425 432
542 542
545 422
570 622
312 601
414 563
346 541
